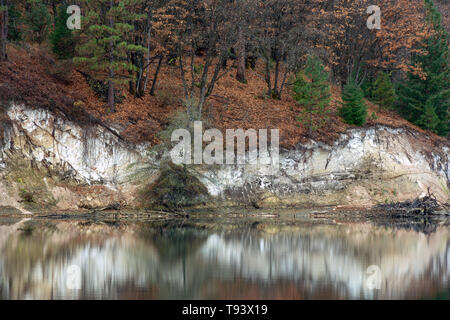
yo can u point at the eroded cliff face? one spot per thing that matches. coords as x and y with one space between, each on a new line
77 166
364 167
91 154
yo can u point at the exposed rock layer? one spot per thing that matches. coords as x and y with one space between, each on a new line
363 167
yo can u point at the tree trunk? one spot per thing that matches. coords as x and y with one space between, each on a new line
132 87
55 13
155 78
3 29
283 83
204 81
111 102
311 114
276 93
149 33
310 121
240 74
183 78
268 81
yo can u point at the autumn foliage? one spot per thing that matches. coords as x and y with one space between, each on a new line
233 61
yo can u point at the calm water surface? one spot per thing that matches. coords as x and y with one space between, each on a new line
70 259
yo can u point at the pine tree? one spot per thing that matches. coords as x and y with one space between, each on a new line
63 43
384 92
38 20
354 109
422 96
312 91
15 19
108 45
429 119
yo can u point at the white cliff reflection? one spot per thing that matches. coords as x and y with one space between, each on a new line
324 261
337 259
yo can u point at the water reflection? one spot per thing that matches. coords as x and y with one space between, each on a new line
323 261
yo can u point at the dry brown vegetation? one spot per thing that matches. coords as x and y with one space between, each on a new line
26 78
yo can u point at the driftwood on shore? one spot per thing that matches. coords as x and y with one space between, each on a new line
423 206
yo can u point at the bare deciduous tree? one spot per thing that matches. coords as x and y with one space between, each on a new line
204 26
281 28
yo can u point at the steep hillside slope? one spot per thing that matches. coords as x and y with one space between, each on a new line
33 77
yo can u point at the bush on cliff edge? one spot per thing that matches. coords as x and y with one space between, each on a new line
175 188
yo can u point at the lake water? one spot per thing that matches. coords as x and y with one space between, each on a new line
255 258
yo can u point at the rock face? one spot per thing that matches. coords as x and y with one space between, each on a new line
91 154
365 166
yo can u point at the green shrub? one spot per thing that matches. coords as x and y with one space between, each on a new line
100 88
354 109
63 43
312 91
175 188
384 91
14 21
429 119
425 100
367 87
38 20
26 196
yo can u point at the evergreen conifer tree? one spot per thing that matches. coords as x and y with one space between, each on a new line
420 97
312 91
14 20
429 120
38 20
384 92
108 44
354 109
62 40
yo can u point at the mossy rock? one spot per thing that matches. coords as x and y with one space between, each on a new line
174 189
